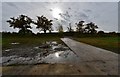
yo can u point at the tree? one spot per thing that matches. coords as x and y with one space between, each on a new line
90 27
70 28
101 32
80 26
22 22
60 28
43 24
51 29
112 32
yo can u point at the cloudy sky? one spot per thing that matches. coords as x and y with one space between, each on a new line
104 14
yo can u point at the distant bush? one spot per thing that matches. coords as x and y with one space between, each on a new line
112 32
101 32
64 34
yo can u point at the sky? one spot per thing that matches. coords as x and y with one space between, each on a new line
104 14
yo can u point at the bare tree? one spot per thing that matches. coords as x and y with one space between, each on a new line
70 28
60 28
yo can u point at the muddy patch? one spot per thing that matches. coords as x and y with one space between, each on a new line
48 52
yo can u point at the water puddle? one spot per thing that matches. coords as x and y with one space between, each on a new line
15 43
61 57
7 50
49 52
36 47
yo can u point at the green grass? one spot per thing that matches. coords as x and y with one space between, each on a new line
108 43
0 41
27 40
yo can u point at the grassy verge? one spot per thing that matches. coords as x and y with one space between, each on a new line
108 43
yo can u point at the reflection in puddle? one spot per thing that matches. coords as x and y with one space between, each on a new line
15 43
61 57
57 54
54 43
50 52
7 50
36 47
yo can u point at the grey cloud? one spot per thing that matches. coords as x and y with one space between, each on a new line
118 16
64 22
87 10
64 17
105 15
83 15
12 5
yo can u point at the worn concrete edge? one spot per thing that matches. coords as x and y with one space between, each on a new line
69 47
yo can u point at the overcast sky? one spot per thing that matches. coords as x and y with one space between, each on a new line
104 14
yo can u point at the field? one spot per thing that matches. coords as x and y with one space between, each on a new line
0 41
108 43
27 40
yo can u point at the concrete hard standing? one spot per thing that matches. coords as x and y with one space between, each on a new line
94 60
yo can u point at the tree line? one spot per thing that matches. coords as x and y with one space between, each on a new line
42 23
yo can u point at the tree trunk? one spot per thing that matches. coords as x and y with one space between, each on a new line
44 31
49 31
22 31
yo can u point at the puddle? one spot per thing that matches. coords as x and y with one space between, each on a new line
15 43
49 52
7 50
36 47
61 57
54 43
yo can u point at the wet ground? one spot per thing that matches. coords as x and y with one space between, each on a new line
41 69
48 52
52 58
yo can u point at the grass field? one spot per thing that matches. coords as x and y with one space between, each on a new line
108 43
27 40
0 41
